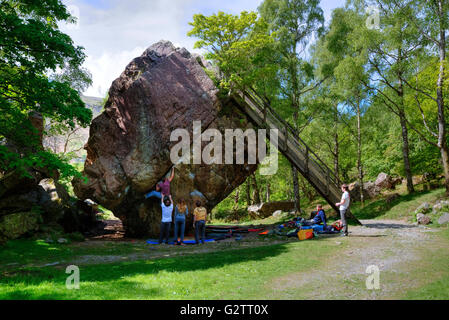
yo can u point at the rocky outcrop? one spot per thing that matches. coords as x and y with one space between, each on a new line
128 151
370 190
12 226
423 219
266 209
385 181
444 219
46 205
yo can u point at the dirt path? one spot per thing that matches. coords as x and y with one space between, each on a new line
397 248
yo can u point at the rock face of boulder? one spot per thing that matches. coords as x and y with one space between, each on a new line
128 151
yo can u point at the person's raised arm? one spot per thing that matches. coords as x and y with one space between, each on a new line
172 174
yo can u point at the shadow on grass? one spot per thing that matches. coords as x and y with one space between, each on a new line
25 251
376 225
110 276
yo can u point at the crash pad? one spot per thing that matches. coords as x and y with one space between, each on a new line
155 241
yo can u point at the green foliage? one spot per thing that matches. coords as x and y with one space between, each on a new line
31 48
238 44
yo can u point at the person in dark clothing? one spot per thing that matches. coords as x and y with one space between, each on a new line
319 218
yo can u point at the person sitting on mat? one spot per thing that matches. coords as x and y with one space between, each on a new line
318 219
167 210
162 188
181 211
199 222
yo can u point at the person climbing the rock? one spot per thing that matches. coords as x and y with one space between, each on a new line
199 222
167 211
344 206
319 218
181 212
162 188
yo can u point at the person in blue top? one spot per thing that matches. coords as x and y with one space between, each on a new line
167 211
319 218
181 212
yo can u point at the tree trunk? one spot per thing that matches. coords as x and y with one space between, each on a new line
359 152
336 147
256 190
442 143
296 197
268 192
248 191
402 119
445 159
236 200
405 154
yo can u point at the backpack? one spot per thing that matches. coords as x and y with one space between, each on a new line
337 225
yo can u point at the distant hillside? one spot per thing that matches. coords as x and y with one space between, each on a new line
72 142
93 103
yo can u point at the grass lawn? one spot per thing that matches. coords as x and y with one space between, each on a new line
237 270
402 207
235 274
434 264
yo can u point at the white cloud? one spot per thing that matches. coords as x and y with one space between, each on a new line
113 32
107 68
114 35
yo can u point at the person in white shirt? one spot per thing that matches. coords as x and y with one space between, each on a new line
167 211
344 206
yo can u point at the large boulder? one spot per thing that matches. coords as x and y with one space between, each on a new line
266 209
128 151
444 219
370 190
383 181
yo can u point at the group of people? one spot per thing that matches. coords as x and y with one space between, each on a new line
200 213
343 205
180 212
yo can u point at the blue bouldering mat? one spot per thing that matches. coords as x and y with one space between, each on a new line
315 227
155 241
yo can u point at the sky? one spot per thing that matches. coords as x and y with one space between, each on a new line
113 32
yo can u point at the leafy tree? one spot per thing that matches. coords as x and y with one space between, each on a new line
431 21
239 45
294 23
31 48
